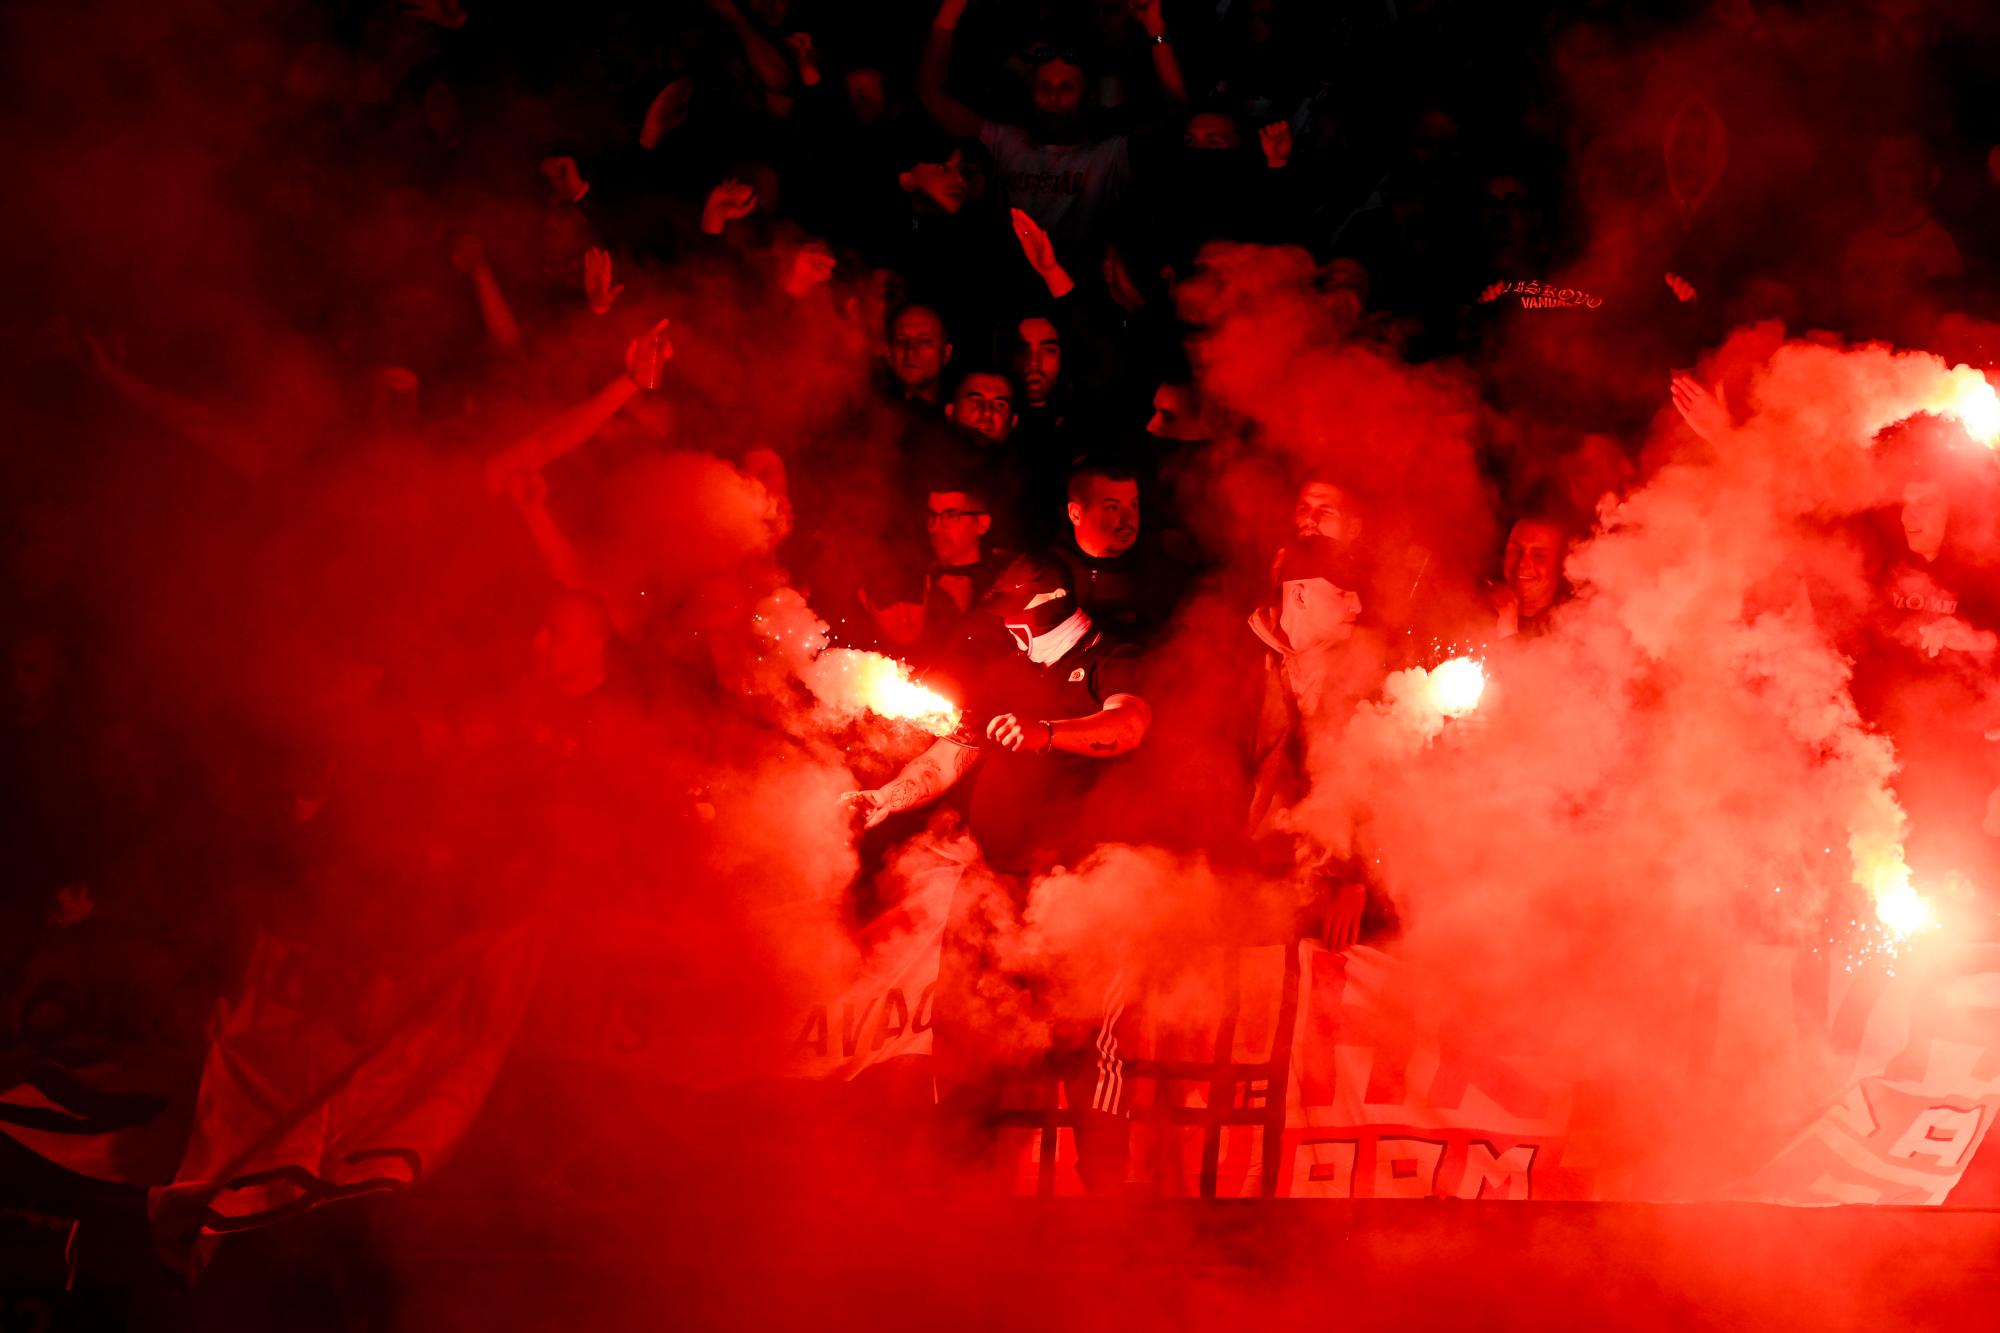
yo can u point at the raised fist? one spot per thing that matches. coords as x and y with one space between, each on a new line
1276 141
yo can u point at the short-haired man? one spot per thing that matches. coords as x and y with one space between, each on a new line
983 403
919 350
1041 435
1130 588
1531 573
964 564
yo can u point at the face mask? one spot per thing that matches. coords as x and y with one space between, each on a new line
1050 646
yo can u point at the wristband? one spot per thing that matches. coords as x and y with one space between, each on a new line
1051 743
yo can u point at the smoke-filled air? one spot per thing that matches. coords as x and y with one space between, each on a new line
636 620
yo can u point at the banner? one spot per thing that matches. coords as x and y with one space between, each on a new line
886 1013
1382 1101
300 1106
100 1039
1923 1051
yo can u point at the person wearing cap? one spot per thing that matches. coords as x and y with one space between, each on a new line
1041 723
1043 715
1322 658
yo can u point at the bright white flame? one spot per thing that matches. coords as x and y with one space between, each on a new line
1456 685
1902 910
1967 396
883 686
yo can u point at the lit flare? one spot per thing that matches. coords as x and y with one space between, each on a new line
883 686
1967 397
1456 685
1901 909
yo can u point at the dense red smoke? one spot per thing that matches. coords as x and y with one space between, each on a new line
489 634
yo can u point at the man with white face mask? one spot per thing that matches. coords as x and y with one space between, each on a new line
1040 720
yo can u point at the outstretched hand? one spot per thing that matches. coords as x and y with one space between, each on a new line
812 266
565 179
1707 414
646 356
667 112
1276 141
1035 243
598 288
1040 252
730 201
807 58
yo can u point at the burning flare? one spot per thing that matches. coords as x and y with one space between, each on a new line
1967 397
1456 685
883 686
1898 906
1416 703
846 681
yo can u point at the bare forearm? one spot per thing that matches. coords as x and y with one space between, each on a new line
558 552
952 115
928 776
1167 69
553 439
766 61
193 421
1114 730
494 312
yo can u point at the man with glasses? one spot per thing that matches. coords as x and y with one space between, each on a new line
965 564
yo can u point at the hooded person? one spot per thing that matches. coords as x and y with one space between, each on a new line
1323 658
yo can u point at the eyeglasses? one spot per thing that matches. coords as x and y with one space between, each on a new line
937 516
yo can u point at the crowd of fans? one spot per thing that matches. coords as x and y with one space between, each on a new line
453 218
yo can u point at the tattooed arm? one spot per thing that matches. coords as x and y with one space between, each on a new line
1114 730
922 781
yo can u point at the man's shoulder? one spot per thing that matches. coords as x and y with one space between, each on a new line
999 137
1099 648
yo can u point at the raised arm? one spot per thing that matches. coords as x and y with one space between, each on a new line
1115 729
468 256
552 439
235 448
924 779
530 493
767 62
1040 253
953 116
1166 65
